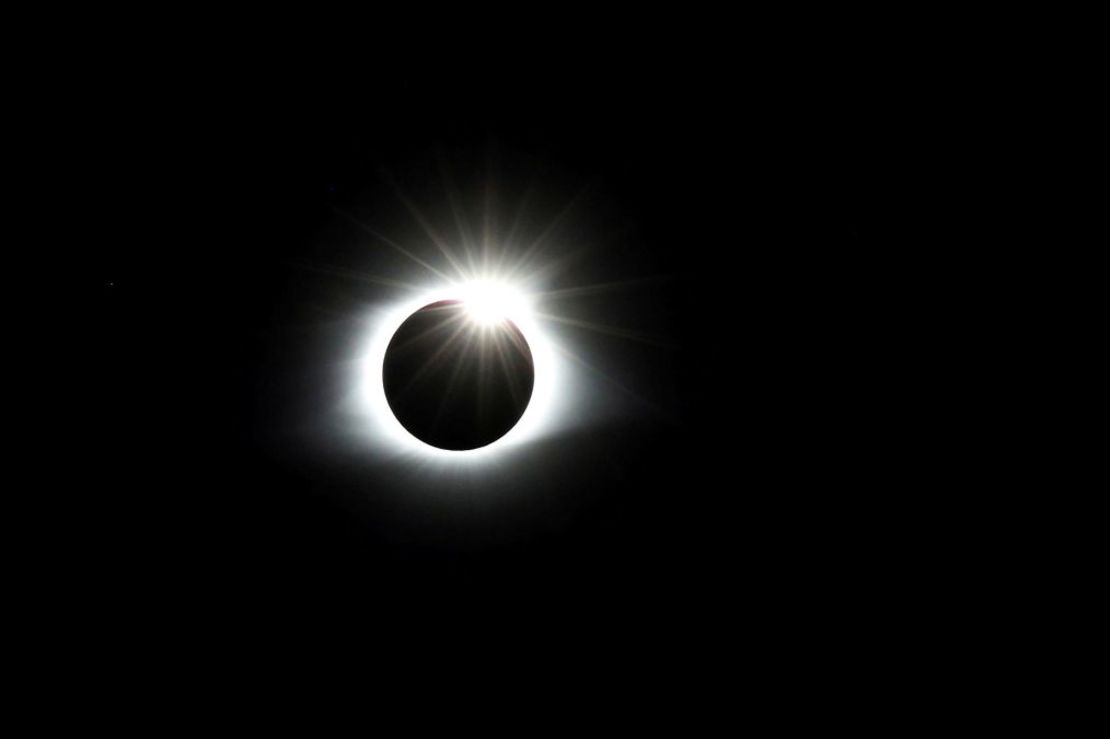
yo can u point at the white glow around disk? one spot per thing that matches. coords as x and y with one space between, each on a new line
487 301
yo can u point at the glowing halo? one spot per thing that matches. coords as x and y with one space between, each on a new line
488 301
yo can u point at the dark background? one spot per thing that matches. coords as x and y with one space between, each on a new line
763 191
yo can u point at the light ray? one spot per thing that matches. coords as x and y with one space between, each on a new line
429 364
459 214
381 237
536 247
351 274
600 328
489 218
426 225
603 288
452 381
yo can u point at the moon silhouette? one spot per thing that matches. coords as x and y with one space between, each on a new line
456 380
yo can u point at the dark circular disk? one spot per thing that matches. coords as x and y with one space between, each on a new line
455 383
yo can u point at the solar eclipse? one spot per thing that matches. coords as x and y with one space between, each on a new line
458 374
462 372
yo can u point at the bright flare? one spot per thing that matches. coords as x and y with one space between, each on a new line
488 303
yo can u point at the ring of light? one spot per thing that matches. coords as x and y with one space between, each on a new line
490 301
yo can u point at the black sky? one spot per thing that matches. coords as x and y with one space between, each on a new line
752 195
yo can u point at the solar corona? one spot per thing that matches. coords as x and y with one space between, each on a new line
460 372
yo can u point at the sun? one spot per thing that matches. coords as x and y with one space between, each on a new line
489 302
